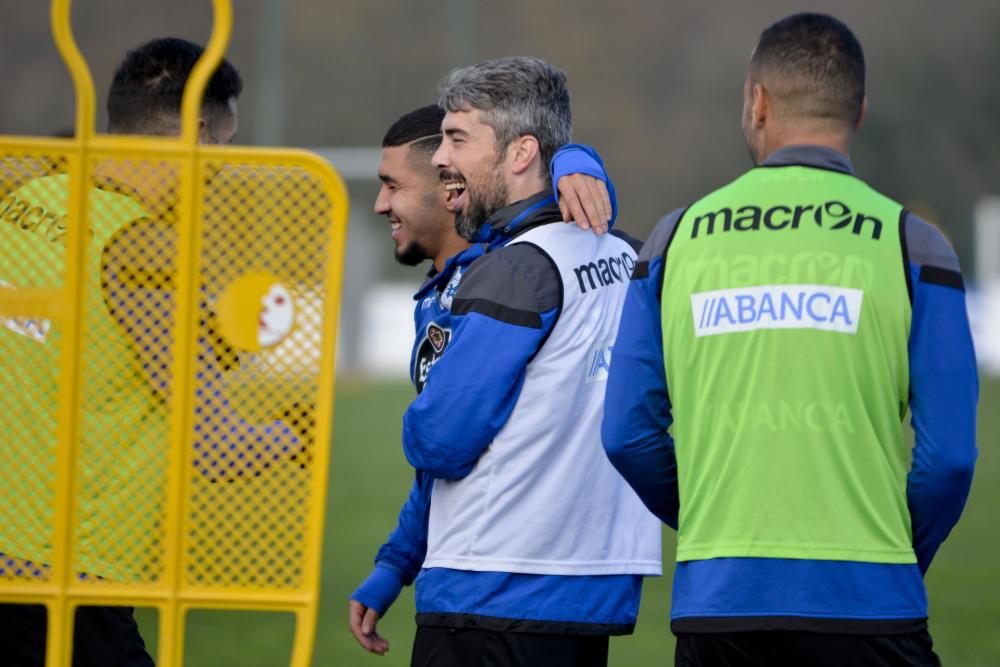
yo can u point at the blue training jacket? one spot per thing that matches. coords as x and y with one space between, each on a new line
492 600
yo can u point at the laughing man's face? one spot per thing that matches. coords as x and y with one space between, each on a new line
412 198
471 170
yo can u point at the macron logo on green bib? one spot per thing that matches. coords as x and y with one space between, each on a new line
828 215
743 309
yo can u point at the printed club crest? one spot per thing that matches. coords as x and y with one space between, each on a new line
449 291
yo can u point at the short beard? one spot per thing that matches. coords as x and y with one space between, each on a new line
411 255
473 215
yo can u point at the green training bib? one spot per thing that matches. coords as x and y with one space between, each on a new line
785 325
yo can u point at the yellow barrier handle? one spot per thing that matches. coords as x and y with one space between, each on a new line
172 616
222 27
82 81
61 609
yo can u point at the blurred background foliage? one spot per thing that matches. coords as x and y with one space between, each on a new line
656 83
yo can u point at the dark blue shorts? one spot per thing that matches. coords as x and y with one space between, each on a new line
767 648
472 647
103 637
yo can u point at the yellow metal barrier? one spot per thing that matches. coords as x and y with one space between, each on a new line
167 379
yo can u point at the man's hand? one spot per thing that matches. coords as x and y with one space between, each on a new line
584 200
363 621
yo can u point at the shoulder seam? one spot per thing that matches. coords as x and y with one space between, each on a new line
559 306
666 248
504 312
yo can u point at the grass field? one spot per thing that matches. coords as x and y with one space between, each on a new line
370 479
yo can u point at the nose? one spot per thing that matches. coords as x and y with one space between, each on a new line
382 206
441 158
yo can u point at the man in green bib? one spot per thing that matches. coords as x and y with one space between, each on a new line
124 361
783 325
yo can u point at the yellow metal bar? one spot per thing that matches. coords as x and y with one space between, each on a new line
139 146
83 83
188 261
143 147
32 302
226 599
185 341
28 593
209 598
305 637
59 643
35 145
222 26
60 628
305 626
172 614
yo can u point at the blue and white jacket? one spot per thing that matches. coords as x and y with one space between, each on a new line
452 423
734 594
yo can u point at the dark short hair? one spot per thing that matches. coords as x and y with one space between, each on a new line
148 86
421 126
814 66
516 96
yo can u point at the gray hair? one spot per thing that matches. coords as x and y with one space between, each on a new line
516 96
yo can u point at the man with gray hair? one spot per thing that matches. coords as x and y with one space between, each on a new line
414 201
536 547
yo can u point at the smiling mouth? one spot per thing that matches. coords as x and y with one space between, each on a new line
455 187
394 227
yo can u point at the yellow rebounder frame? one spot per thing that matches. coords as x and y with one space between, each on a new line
214 496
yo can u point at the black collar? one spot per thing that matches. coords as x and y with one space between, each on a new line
517 218
807 155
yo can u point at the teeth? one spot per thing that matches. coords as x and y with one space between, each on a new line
454 186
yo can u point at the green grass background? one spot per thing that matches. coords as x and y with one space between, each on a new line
369 480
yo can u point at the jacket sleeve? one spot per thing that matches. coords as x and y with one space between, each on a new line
506 304
399 560
582 159
944 389
637 403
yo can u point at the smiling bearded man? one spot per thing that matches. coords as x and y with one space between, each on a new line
536 548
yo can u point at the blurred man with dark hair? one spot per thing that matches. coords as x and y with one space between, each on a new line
147 88
793 315
125 360
417 205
